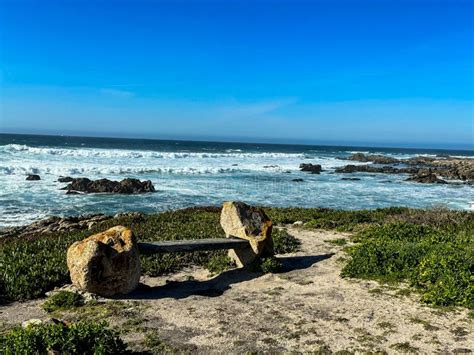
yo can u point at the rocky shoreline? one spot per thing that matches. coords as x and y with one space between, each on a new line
439 170
63 224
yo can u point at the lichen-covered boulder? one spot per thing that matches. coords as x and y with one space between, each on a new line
250 223
106 263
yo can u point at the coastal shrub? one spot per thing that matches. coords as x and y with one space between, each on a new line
63 300
440 264
283 242
270 264
78 338
446 274
266 265
219 263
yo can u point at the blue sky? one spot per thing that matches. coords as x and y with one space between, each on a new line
376 72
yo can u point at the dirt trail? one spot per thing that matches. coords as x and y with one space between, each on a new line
309 307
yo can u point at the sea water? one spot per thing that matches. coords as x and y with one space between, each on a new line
187 173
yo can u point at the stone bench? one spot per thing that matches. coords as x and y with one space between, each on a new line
175 246
108 263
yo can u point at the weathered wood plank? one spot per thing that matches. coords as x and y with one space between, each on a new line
170 246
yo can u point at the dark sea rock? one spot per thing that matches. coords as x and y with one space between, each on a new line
33 177
297 180
368 168
65 179
126 186
312 168
350 179
419 160
426 176
375 158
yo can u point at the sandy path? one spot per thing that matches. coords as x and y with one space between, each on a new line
306 308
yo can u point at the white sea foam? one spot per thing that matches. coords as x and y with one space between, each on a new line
15 149
207 176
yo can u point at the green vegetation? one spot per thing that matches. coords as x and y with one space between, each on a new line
283 242
426 325
404 347
63 300
156 344
339 241
78 338
219 263
431 249
438 262
270 264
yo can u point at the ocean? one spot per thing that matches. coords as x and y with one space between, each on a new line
188 173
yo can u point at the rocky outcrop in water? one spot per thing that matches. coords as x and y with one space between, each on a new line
65 179
441 166
126 186
375 169
426 176
312 168
374 158
33 177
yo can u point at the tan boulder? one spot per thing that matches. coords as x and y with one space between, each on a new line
250 223
106 263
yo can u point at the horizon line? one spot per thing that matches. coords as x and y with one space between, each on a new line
243 140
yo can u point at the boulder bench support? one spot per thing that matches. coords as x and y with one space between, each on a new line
108 263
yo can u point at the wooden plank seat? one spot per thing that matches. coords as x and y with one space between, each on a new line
172 246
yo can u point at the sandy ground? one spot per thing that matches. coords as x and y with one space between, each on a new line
306 308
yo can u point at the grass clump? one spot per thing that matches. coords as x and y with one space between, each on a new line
155 343
405 347
438 262
267 265
284 243
63 300
338 241
78 338
219 263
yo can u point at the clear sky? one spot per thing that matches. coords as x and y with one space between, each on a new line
380 72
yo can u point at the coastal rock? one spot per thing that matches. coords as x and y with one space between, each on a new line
297 180
135 216
368 168
65 179
350 179
250 223
33 177
426 176
419 160
106 263
312 168
53 224
375 158
126 186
